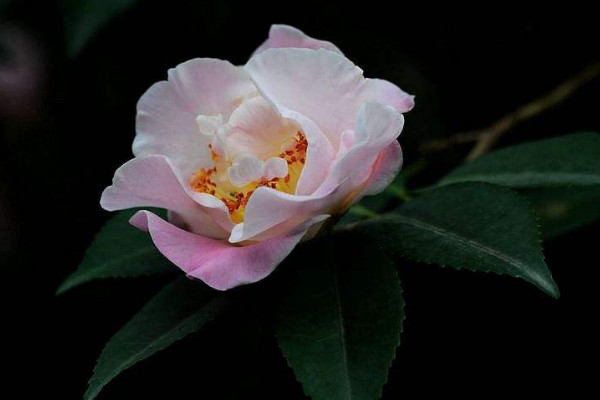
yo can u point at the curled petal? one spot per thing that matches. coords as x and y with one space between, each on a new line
246 169
218 263
270 213
377 126
288 36
319 155
151 182
275 167
210 86
256 127
166 121
318 84
385 92
385 170
209 124
322 85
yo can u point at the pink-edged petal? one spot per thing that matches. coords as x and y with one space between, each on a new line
377 126
322 85
386 169
215 207
166 114
319 155
210 86
219 264
256 127
270 213
151 182
288 36
318 84
145 182
385 92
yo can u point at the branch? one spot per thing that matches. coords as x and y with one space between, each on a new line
486 138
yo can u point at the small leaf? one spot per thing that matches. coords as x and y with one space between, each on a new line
477 226
340 325
562 210
83 18
119 250
565 160
181 308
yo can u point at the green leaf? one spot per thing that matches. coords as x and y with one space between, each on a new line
181 308
340 325
119 250
83 18
562 210
565 160
476 226
371 206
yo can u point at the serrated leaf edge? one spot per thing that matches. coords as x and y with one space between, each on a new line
92 395
394 351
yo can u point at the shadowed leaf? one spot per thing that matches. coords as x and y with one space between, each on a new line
119 250
181 308
476 226
340 325
562 161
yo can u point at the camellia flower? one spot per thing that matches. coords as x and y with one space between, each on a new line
251 160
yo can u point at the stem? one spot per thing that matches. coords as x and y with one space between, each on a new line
398 191
486 138
363 211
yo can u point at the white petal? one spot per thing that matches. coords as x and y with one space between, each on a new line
246 169
208 124
275 167
288 36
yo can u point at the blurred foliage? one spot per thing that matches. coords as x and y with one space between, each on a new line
562 210
84 18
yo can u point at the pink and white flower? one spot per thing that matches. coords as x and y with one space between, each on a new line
250 160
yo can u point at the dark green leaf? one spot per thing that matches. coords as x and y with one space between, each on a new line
477 226
119 250
83 18
340 325
561 210
181 308
565 160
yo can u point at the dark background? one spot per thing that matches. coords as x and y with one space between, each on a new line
71 126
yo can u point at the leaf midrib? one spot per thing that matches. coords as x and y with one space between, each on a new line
566 178
129 256
342 331
88 273
134 358
471 243
92 269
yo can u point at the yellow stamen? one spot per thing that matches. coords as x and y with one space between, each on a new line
210 180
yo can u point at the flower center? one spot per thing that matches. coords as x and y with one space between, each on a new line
217 182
